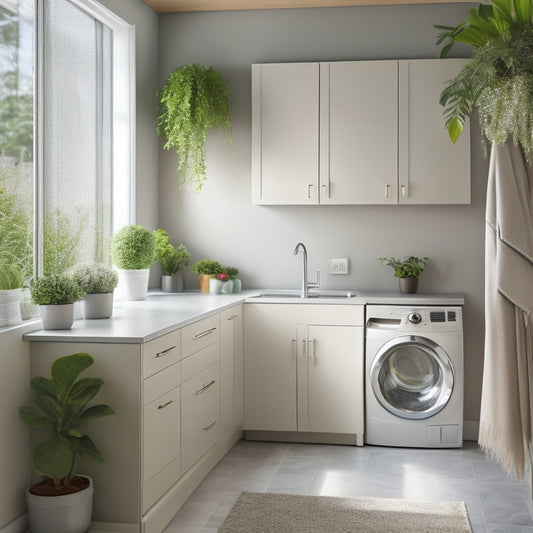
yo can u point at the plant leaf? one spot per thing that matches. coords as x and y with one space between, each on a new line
84 390
33 417
455 128
53 458
96 411
85 446
66 369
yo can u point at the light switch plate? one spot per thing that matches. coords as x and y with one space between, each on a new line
338 266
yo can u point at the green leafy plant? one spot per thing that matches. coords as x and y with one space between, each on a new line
11 277
498 80
95 278
207 267
55 289
231 272
194 99
61 404
133 248
408 268
172 259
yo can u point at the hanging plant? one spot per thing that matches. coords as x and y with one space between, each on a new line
498 80
194 99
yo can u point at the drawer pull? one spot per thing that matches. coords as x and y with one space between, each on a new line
164 352
163 405
205 387
210 426
232 317
204 333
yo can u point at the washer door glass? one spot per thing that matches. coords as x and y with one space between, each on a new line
412 377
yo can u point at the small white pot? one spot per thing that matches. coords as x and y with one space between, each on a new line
215 286
133 284
227 287
57 316
61 514
10 307
97 305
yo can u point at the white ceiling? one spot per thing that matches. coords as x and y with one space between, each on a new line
172 6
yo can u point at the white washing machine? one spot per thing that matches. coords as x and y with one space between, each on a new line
414 376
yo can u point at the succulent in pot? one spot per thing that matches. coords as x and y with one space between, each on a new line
407 270
133 252
11 283
205 269
172 261
98 282
55 295
63 500
233 274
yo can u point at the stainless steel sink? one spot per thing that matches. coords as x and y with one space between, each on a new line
312 294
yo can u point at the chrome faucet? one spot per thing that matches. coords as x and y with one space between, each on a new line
305 284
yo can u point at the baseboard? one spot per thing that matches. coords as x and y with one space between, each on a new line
112 527
471 430
19 525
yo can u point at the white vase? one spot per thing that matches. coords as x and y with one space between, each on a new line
57 316
10 307
215 286
227 287
133 284
70 513
237 285
98 305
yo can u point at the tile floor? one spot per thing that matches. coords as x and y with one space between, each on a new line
496 503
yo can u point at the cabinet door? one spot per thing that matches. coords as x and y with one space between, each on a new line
330 379
285 133
359 132
270 367
231 372
432 169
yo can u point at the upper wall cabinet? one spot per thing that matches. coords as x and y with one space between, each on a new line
364 132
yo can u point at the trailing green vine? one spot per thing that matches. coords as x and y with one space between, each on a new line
194 99
498 80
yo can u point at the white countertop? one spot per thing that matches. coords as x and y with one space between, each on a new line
136 322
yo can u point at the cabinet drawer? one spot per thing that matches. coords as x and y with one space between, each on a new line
161 433
196 336
200 415
161 353
195 363
160 383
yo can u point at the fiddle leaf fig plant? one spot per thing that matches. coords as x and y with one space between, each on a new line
194 99
498 80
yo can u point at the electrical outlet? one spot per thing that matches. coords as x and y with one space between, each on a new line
338 266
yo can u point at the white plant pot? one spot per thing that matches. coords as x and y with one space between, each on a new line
57 316
97 305
215 286
10 307
61 514
133 284
227 287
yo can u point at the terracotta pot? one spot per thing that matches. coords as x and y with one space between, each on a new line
204 283
408 285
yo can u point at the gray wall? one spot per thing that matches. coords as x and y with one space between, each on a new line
220 222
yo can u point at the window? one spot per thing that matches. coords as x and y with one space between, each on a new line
66 132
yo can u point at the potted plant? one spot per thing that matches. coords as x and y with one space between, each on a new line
55 295
98 282
498 80
62 502
233 274
224 281
205 269
11 282
407 271
172 261
133 252
194 99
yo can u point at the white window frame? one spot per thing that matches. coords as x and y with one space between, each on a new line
123 119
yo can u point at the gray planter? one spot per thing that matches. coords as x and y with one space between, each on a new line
172 283
70 513
57 316
408 285
98 305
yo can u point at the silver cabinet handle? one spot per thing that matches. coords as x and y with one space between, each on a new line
403 191
326 188
204 333
210 426
205 387
164 352
311 350
163 405
309 190
387 191
232 317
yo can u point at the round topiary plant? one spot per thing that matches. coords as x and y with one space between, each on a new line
133 248
207 267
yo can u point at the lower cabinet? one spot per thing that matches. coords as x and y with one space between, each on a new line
165 435
304 371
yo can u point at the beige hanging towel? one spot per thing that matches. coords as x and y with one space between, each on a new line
507 393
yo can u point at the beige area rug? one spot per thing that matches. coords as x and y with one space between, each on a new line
255 512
